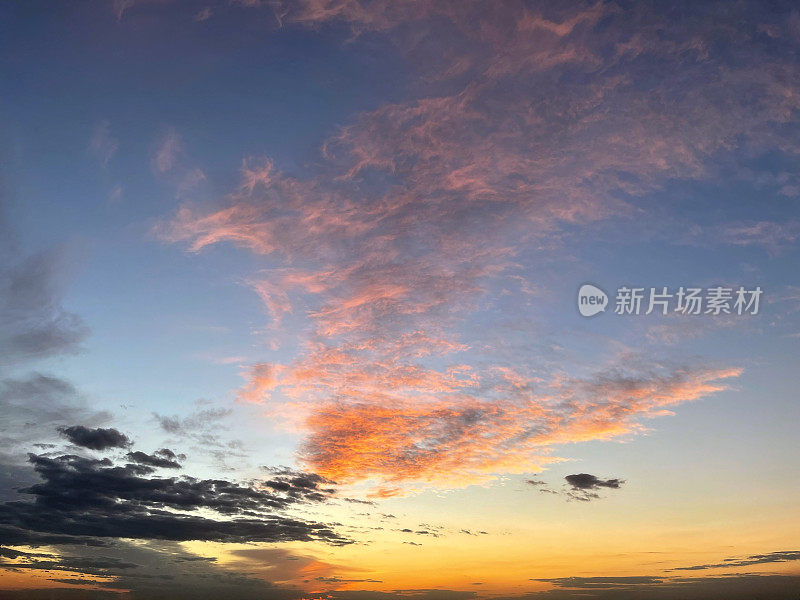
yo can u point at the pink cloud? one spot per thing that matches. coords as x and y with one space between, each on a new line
423 207
456 442
169 148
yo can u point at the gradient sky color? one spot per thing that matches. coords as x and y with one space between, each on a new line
288 299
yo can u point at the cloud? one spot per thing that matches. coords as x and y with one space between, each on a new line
207 584
116 194
359 501
153 569
526 129
169 148
604 582
584 481
193 424
467 440
90 498
162 459
102 144
753 559
291 569
82 565
121 7
583 486
34 407
95 439
340 580
262 378
520 127
33 324
729 587
204 14
773 236
299 484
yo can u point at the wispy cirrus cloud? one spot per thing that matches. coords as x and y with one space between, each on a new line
523 125
167 152
102 144
772 235
465 439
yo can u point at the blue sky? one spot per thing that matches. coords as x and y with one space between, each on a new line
345 238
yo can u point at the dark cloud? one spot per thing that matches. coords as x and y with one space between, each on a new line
584 481
340 580
150 570
164 459
728 587
418 532
15 536
299 484
11 553
358 501
88 497
79 564
414 594
95 439
753 559
602 582
583 486
59 594
579 486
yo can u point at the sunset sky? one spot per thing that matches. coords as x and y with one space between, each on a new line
289 300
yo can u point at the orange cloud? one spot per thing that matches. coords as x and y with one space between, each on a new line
263 378
458 441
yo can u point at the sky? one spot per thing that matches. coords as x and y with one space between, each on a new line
370 300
